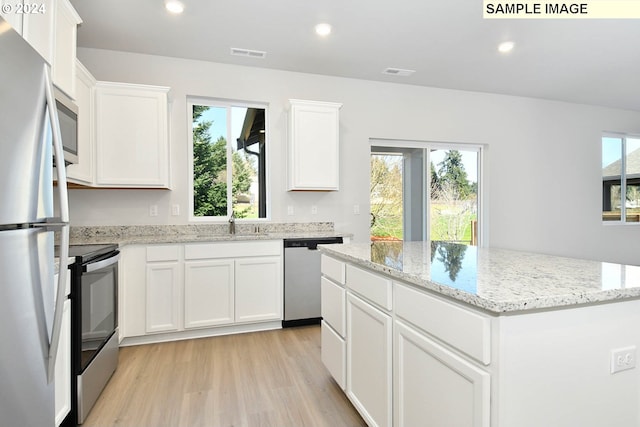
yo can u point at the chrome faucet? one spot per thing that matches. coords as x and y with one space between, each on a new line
232 224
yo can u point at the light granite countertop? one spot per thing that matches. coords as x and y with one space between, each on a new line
147 234
496 280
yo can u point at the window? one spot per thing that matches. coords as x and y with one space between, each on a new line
621 178
423 191
228 143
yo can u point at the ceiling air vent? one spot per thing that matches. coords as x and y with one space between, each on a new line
398 72
248 53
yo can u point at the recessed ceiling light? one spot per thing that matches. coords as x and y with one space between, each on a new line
323 29
506 47
174 6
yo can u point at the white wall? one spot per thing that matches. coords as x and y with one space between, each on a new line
542 171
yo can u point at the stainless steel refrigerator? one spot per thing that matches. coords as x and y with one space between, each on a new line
30 300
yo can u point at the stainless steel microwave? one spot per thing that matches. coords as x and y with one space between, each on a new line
68 117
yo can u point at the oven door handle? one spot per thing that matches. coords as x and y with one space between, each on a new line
102 264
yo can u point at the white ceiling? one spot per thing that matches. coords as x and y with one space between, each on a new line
447 42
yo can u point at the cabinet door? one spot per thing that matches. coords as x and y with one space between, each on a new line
314 145
369 367
63 367
333 301
434 386
208 293
163 293
64 49
333 352
258 289
82 172
132 139
38 29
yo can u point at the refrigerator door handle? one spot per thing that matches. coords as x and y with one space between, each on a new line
64 234
56 329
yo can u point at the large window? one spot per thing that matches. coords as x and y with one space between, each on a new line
621 178
228 159
424 191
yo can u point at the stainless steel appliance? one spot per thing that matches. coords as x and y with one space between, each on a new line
68 117
94 319
302 280
31 301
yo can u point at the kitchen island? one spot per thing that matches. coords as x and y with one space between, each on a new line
440 334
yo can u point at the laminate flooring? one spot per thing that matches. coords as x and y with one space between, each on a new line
272 378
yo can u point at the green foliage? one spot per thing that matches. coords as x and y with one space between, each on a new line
386 196
210 171
452 176
243 172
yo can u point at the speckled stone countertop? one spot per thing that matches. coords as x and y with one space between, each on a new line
150 234
496 280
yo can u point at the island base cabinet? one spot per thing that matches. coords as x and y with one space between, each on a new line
333 354
435 387
369 367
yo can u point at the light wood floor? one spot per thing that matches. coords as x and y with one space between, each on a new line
272 378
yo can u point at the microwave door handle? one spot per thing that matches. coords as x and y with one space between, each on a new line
57 147
94 266
56 330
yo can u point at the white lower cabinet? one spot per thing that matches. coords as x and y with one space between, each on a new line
369 361
404 357
435 387
333 354
172 290
163 288
258 289
208 293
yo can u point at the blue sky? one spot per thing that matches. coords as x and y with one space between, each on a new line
218 115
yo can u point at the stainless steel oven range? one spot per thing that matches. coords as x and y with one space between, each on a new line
94 320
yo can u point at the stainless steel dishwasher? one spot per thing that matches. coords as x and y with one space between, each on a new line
302 280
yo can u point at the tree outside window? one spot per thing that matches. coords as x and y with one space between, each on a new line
228 138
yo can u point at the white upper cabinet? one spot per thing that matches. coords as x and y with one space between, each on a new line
38 29
83 171
132 136
51 28
64 48
313 152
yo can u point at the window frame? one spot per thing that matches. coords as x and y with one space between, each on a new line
480 149
623 177
228 104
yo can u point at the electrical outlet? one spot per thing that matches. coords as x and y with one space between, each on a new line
153 210
314 210
356 209
175 210
623 359
289 210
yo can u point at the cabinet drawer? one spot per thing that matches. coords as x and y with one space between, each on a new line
232 249
375 288
333 305
163 253
333 269
333 353
461 328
